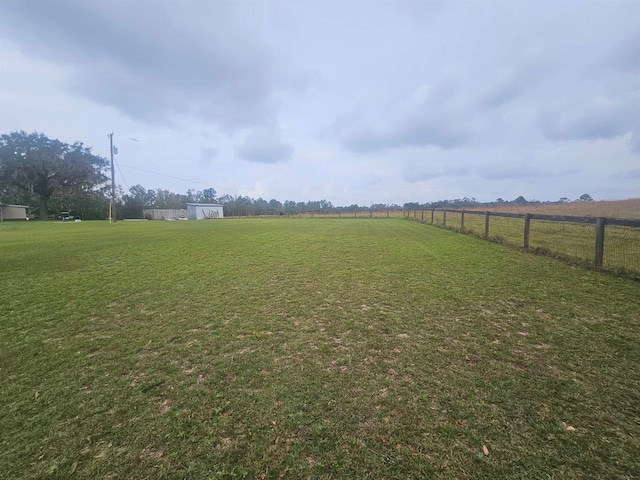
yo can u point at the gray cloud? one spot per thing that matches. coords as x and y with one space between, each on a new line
456 95
409 132
429 117
424 172
264 145
151 60
627 174
495 171
510 85
207 155
626 56
512 172
593 119
635 141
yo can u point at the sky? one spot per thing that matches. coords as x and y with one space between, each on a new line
354 102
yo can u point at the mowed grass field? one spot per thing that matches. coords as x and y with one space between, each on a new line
309 348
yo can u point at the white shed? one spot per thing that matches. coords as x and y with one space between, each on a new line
13 212
202 211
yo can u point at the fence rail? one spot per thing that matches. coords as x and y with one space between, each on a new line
332 213
611 243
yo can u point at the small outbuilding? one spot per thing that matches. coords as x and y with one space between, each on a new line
203 211
13 212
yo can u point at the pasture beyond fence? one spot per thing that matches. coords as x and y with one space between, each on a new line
610 243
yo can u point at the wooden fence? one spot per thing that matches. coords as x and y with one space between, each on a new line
343 213
612 243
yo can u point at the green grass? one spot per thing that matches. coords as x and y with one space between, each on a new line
309 348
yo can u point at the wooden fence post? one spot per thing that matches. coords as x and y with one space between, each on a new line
387 212
462 221
527 229
432 211
599 250
422 218
444 221
486 224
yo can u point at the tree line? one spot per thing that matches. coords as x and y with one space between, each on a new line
472 202
51 177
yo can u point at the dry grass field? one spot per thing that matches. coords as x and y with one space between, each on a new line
572 241
629 208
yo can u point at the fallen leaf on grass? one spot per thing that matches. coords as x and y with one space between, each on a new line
73 468
485 450
568 428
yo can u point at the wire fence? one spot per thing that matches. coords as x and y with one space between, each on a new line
348 213
609 243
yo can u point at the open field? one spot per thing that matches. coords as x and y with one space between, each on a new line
629 208
309 348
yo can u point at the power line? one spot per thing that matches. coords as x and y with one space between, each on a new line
123 179
178 178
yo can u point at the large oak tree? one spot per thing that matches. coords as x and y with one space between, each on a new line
36 164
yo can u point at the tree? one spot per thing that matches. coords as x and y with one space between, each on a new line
169 200
275 206
585 197
208 195
137 200
43 167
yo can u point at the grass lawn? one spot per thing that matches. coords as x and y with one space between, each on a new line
309 348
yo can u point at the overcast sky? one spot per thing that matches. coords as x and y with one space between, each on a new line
348 101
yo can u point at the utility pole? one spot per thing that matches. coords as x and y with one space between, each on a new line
112 217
